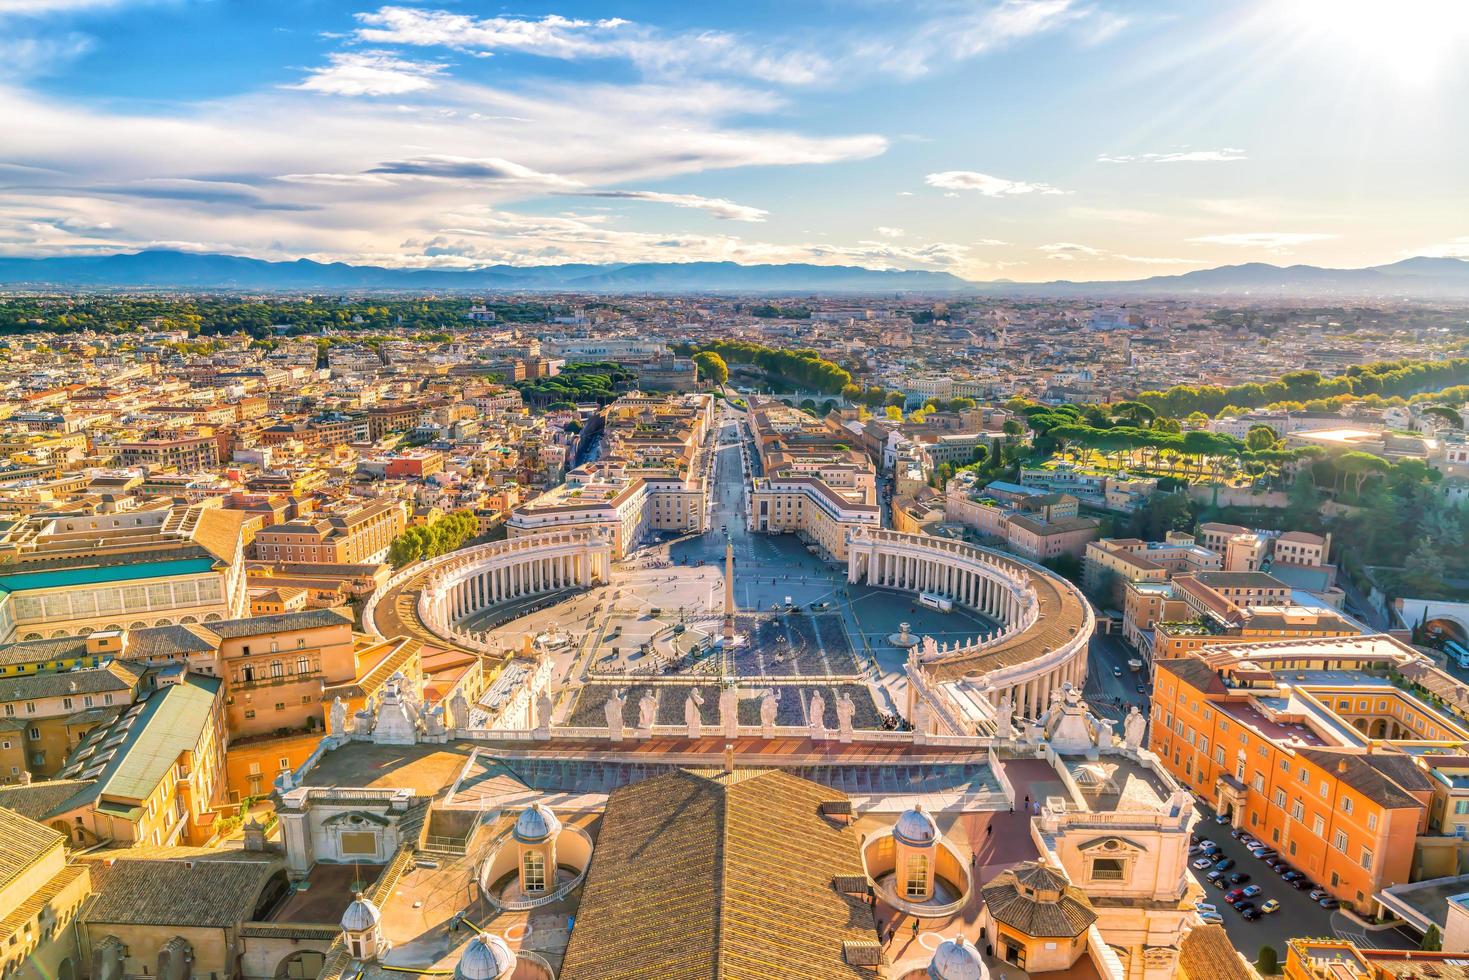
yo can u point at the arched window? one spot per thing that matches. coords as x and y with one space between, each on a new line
533 877
916 885
277 669
303 665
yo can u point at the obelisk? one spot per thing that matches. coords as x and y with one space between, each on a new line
729 599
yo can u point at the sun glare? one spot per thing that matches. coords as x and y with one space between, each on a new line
1413 41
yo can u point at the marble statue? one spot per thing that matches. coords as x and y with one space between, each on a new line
1134 727
1005 717
930 648
846 708
458 711
769 707
339 717
647 713
729 710
613 708
544 708
692 718
817 716
433 720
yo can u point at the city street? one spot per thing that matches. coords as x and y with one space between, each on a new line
1110 686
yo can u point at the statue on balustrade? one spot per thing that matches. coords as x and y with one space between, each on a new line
817 716
769 708
613 708
647 713
692 718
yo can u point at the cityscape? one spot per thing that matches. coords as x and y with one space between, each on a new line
433 544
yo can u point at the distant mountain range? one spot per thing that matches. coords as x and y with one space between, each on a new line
1421 277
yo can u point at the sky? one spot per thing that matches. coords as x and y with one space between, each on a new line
993 139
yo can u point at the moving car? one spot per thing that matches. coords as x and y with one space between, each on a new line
1116 671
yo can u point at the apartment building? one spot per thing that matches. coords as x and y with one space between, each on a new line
1031 523
184 453
44 715
347 534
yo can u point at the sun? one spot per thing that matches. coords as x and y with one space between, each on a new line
1410 41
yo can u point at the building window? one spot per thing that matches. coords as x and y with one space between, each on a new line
534 877
916 885
1346 805
1367 858
1339 841
1108 869
1371 821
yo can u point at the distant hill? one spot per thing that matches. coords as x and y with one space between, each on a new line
1419 277
160 269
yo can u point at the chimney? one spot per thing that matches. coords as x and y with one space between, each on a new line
1341 765
729 757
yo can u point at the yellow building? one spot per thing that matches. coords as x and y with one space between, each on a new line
40 895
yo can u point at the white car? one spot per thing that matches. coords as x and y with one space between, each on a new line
1201 863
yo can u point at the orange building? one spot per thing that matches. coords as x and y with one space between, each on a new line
1270 749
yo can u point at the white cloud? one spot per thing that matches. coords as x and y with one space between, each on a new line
371 73
1455 248
1225 154
314 176
990 241
948 34
42 7
717 206
1067 251
887 232
969 180
700 52
1273 240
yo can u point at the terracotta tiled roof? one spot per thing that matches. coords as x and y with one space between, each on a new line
196 892
1010 901
1207 954
726 876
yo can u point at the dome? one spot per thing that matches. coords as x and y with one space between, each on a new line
957 959
486 957
535 824
916 827
361 915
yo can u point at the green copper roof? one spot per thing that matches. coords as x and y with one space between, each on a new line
96 575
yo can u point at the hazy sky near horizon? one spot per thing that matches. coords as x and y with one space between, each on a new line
1020 139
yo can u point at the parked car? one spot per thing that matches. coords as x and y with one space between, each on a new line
1252 891
1238 833
1211 918
1302 884
1225 864
1238 878
1292 876
1264 853
1205 907
1329 903
1234 895
1278 864
1240 904
1215 874
1221 818
1318 893
1249 913
1271 905
1195 839
1201 863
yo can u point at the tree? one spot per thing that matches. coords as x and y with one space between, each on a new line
711 367
1268 962
1260 437
1422 572
1013 428
1447 414
1432 940
894 413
